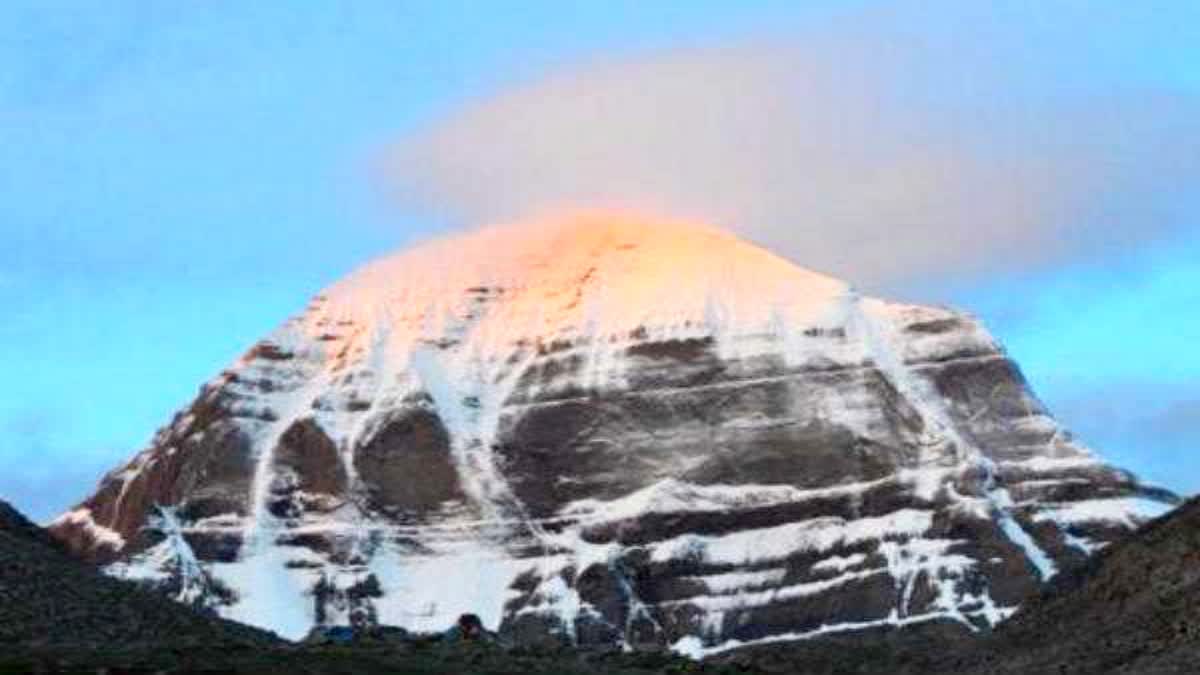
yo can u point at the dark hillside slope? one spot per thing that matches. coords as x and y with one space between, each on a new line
49 599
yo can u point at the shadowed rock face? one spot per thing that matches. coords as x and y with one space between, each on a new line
308 472
622 438
311 456
406 468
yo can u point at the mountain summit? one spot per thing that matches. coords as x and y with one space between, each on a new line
608 430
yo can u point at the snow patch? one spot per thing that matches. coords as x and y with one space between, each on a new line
1127 511
840 563
675 496
429 592
749 547
745 600
734 581
690 648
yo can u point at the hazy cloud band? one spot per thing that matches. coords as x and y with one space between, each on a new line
863 147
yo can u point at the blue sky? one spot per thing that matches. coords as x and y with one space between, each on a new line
180 177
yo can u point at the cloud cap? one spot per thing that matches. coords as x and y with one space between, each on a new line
858 147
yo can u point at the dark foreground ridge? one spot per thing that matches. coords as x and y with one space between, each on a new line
1131 609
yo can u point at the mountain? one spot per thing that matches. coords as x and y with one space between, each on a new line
606 430
50 600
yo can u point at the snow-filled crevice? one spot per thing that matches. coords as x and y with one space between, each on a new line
192 579
637 609
883 346
1002 506
268 591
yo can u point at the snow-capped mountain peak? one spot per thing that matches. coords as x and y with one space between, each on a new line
609 429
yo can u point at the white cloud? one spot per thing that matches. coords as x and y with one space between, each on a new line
862 147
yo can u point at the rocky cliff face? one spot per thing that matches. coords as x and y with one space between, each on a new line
609 431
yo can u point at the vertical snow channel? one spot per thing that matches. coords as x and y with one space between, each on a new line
882 345
270 594
458 404
191 575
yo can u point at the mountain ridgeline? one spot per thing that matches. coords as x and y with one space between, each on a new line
606 431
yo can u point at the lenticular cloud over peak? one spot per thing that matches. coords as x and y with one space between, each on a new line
868 153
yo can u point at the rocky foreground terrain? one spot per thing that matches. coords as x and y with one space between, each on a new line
610 432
